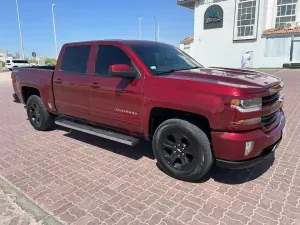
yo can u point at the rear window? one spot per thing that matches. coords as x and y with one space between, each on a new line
7 61
20 61
75 59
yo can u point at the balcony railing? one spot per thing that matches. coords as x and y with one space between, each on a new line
187 3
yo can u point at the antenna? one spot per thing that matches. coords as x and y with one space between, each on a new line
155 28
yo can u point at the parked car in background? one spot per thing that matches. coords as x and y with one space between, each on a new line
16 63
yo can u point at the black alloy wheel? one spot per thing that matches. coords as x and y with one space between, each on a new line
35 114
178 151
38 115
182 150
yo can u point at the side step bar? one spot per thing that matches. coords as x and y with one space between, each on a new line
121 138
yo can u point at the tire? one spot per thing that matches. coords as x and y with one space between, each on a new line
37 114
194 157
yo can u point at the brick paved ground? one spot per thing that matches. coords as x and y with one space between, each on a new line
86 180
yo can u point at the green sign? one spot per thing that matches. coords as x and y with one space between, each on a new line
213 17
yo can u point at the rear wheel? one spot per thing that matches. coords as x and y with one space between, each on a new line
38 116
182 150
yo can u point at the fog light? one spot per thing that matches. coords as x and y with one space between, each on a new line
281 100
248 147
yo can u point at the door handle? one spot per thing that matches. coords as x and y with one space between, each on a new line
94 85
58 81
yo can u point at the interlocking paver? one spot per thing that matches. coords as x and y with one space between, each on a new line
86 180
205 219
125 220
85 220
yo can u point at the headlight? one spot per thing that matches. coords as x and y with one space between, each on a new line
249 105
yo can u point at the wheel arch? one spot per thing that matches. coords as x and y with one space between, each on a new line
159 114
28 91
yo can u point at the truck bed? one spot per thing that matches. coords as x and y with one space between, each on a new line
39 78
42 67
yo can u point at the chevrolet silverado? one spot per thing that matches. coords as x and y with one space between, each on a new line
123 91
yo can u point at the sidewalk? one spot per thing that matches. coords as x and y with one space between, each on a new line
18 209
11 213
5 76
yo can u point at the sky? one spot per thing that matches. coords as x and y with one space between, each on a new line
83 20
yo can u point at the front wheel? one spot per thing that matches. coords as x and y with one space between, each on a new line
182 150
37 114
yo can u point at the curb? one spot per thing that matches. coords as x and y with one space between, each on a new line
39 214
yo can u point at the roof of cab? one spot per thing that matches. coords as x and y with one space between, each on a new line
116 41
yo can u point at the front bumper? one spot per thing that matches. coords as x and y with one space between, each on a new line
267 153
229 147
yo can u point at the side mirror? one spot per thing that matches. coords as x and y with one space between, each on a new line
122 70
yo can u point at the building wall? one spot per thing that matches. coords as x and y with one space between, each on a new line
2 56
216 47
186 47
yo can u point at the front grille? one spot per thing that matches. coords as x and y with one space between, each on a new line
268 119
270 99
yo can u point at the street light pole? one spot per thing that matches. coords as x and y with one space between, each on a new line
56 51
21 38
157 32
140 27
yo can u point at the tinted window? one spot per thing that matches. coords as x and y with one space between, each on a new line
162 57
20 61
107 56
7 61
75 59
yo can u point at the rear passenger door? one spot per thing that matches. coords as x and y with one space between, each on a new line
71 82
115 101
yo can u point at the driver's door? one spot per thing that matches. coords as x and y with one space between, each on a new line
114 101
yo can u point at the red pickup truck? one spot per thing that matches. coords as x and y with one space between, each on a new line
123 90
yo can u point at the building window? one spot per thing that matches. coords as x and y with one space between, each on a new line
246 19
286 12
187 46
278 47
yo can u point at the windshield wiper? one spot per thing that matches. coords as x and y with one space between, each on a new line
165 72
171 71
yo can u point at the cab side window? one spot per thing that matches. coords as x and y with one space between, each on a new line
75 59
109 55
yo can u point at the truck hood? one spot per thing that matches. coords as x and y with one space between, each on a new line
229 77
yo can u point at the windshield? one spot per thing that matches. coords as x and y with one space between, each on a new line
160 58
